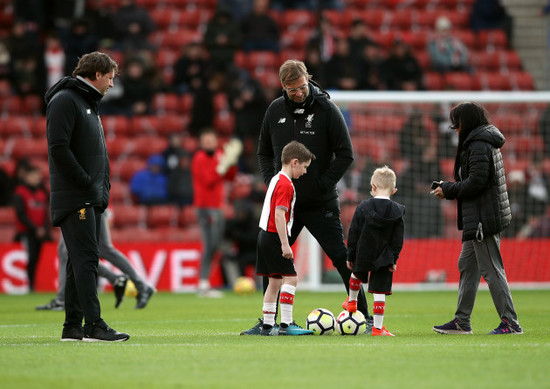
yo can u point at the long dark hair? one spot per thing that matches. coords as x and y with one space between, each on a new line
468 116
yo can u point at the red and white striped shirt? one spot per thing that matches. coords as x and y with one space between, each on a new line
280 194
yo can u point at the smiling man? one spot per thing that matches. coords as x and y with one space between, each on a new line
306 114
79 181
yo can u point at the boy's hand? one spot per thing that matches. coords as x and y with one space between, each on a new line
287 251
349 265
393 268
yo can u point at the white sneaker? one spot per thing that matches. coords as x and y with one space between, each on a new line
210 293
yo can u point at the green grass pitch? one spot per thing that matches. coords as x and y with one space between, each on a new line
182 341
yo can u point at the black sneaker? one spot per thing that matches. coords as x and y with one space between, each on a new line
104 333
53 305
143 297
119 287
256 330
72 334
453 327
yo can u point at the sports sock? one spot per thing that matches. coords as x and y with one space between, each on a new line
287 302
269 313
378 307
354 287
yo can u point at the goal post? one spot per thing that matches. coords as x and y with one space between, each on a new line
409 132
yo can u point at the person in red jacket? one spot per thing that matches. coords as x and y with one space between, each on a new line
210 168
31 206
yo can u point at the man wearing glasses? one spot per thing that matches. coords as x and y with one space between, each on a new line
306 114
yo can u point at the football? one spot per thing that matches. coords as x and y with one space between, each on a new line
244 286
351 323
321 321
130 290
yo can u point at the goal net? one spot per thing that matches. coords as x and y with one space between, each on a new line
410 133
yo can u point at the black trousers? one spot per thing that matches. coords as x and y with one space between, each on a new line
81 231
32 245
326 227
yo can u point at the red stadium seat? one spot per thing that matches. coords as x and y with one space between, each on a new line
296 39
194 18
492 40
119 147
18 126
145 146
296 19
166 18
418 40
175 39
263 59
129 215
120 193
340 19
115 126
125 169
32 105
166 58
7 216
30 148
460 81
11 105
38 128
162 216
433 81
467 37
522 80
494 81
7 233
173 123
188 216
375 19
298 53
165 103
510 123
144 125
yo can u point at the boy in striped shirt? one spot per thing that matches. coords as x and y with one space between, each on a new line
274 255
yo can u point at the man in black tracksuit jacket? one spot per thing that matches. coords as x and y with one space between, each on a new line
79 188
306 114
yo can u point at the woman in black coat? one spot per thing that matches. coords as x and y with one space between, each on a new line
483 213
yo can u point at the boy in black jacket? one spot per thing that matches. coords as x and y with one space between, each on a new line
374 242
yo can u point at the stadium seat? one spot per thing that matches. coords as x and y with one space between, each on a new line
190 144
120 193
175 39
384 38
119 147
29 148
340 19
162 216
296 39
144 125
165 103
522 81
494 81
166 18
264 59
166 58
7 216
423 58
291 53
510 123
297 19
129 215
125 169
492 40
467 37
418 40
38 128
460 81
32 105
404 19
11 105
17 126
224 122
270 78
375 19
147 145
5 88
185 103
7 233
115 126
173 123
433 81
188 216
194 18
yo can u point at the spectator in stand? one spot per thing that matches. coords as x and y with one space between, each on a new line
447 52
342 68
359 38
101 20
5 60
6 188
26 74
544 129
178 170
32 225
78 41
241 233
191 69
133 26
315 65
150 185
222 38
54 59
324 39
210 168
259 30
370 65
401 69
419 151
202 111
248 102
138 89
489 15
517 195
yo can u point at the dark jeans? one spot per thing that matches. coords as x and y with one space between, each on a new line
32 245
81 231
326 227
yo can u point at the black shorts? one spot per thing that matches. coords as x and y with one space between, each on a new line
269 257
379 281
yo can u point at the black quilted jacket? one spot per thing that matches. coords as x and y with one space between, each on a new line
480 190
